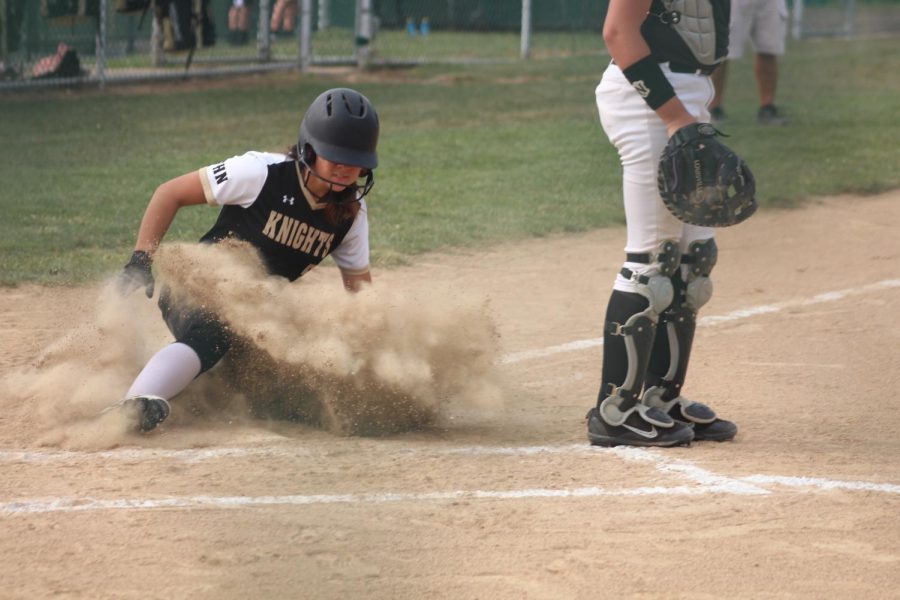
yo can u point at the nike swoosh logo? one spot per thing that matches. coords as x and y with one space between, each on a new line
652 433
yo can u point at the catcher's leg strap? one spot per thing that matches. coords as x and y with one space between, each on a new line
666 259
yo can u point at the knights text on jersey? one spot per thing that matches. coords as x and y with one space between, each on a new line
263 204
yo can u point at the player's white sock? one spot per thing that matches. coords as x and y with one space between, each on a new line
167 373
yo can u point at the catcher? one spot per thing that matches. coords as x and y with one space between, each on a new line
679 182
294 208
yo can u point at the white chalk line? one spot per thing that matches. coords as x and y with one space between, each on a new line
701 481
705 482
143 454
823 484
710 321
792 365
199 455
195 502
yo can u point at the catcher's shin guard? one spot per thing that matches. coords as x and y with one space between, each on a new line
631 327
674 340
677 323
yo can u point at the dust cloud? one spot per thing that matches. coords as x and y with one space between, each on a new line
376 362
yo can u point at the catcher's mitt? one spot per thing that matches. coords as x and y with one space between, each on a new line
702 182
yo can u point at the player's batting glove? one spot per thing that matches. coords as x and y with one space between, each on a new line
137 273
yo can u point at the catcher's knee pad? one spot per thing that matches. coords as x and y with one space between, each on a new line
700 259
654 281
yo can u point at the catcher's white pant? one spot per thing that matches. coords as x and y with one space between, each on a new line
640 136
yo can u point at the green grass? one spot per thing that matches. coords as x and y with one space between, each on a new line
470 155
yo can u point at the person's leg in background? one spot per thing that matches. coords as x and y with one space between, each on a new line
739 35
238 22
284 16
769 33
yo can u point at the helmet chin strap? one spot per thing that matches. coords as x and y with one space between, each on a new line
350 193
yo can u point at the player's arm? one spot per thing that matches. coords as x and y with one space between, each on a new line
352 255
626 45
165 202
353 282
184 190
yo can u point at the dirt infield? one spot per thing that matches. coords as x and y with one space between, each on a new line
799 346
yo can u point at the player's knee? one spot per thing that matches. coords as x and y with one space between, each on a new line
211 340
210 351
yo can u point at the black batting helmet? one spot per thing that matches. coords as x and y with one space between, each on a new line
341 125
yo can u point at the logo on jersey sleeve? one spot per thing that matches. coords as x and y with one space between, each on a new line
297 234
220 174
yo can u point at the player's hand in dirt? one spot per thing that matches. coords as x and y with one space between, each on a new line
137 273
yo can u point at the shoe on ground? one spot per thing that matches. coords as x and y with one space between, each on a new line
717 115
147 411
639 425
769 115
703 419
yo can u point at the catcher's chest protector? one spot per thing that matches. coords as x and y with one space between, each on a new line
688 31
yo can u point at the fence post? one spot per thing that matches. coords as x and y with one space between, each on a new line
525 45
156 43
797 20
263 36
850 23
324 19
100 44
305 34
3 26
363 32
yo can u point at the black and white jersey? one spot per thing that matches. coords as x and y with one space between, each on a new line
263 203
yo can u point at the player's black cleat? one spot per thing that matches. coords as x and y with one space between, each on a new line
148 411
707 426
638 426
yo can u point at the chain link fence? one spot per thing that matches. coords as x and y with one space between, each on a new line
94 42
68 42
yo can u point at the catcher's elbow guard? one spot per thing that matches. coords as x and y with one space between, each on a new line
702 181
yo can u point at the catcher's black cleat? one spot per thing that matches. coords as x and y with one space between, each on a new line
148 411
642 426
707 426
719 430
